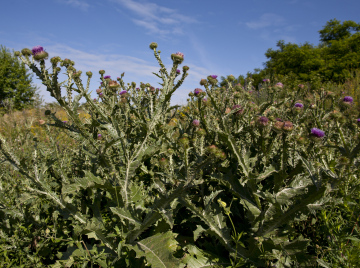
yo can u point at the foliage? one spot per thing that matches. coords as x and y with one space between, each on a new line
16 88
235 178
332 60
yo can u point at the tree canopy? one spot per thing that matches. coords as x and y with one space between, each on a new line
15 82
333 59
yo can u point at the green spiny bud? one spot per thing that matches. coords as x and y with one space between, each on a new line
26 52
184 142
203 82
77 74
17 53
101 72
133 84
186 68
153 45
55 60
89 74
231 78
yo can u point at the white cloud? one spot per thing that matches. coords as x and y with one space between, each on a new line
76 3
156 19
266 20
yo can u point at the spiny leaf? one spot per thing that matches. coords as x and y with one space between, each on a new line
158 250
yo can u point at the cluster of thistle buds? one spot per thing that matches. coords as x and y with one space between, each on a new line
216 152
280 126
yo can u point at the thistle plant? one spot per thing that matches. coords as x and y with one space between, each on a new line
143 183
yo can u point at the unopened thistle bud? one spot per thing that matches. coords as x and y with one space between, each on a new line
77 74
184 142
263 121
17 53
26 52
153 45
231 78
278 126
55 60
201 132
163 162
288 126
89 74
203 82
101 72
186 68
113 84
238 109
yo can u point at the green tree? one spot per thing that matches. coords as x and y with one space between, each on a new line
335 30
16 86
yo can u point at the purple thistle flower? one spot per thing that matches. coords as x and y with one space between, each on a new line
99 136
178 71
180 54
318 133
263 120
299 105
348 99
37 50
64 122
279 84
204 99
213 76
123 92
197 91
101 94
358 120
107 77
266 80
196 123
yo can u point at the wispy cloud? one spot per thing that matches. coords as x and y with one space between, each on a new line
155 18
266 20
83 5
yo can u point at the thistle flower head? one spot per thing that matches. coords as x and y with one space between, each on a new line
107 77
299 105
26 52
197 91
348 99
178 71
317 133
281 85
37 50
178 57
266 80
39 53
263 121
213 76
196 123
122 92
288 126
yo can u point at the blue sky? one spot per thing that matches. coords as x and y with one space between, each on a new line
216 37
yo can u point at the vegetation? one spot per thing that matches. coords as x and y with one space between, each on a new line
236 178
16 88
334 59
